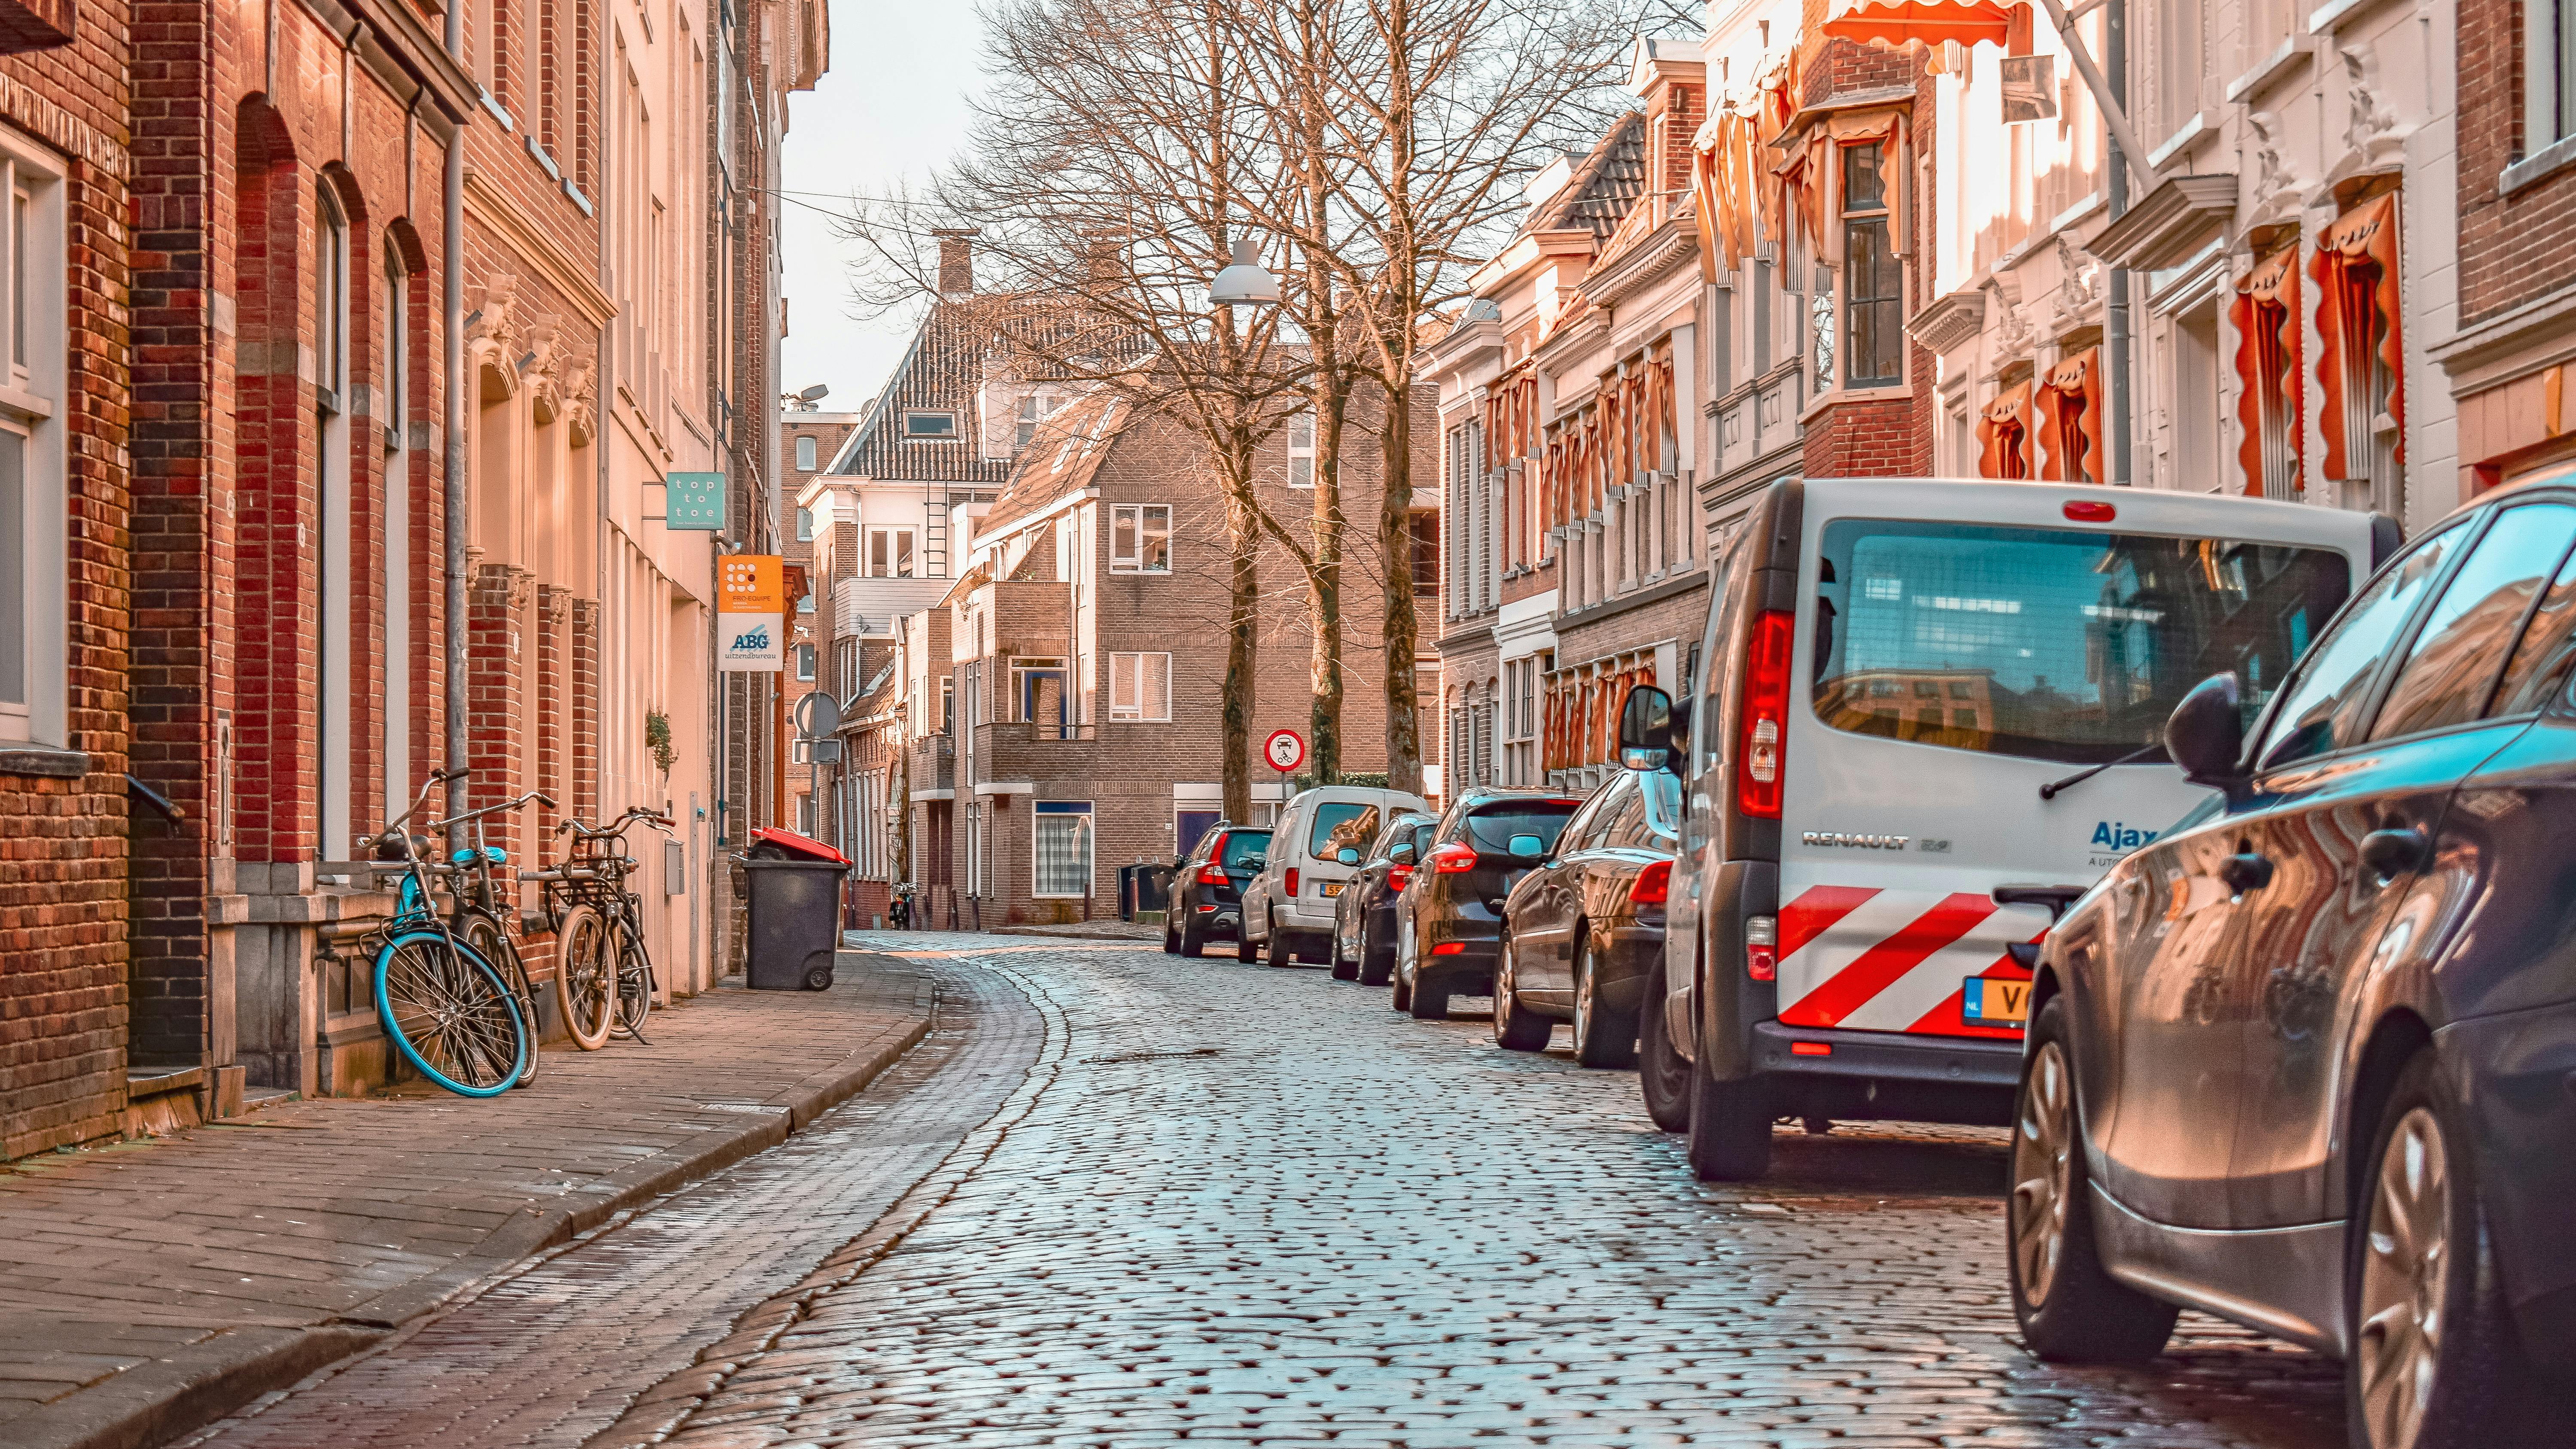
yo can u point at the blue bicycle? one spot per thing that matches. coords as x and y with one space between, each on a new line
445 1007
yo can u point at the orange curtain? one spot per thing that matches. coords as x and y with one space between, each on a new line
2356 274
2069 404
2003 435
2269 419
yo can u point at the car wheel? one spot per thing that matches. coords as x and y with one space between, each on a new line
2435 1361
1603 1035
1345 968
1193 941
1375 964
1400 994
2071 1309
1275 950
1171 937
1429 1001
1663 1073
1516 1027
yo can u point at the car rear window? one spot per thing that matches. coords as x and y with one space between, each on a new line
1341 825
1242 847
1493 827
1397 831
2052 644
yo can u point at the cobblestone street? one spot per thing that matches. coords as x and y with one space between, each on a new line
1175 1200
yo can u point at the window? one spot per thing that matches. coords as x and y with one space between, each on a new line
2549 73
889 553
930 427
2198 467
1140 538
1425 526
947 706
2270 408
805 459
1301 450
1341 825
1874 312
805 661
1062 849
805 516
2074 646
332 536
805 605
804 814
1034 409
1140 687
2178 65
33 603
395 402
2323 711
2456 652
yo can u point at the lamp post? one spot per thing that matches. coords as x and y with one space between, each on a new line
1244 282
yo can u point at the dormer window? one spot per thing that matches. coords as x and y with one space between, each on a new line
930 427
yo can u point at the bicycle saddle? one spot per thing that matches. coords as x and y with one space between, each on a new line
493 853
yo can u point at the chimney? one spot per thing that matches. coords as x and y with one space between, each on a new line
956 262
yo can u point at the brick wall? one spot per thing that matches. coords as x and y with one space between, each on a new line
2512 248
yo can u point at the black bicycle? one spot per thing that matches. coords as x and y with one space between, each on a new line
606 971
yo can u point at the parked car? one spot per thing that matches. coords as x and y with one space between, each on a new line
1449 918
1207 889
1288 904
2307 1060
1584 932
1917 691
1364 913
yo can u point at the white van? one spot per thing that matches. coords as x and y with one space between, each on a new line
1288 905
1918 692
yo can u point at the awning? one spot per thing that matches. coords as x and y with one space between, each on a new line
2265 315
1929 23
2069 403
2356 273
2003 435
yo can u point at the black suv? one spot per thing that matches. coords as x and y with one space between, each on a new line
1449 920
1207 889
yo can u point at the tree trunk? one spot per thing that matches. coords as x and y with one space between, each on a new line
1324 584
1401 630
1242 648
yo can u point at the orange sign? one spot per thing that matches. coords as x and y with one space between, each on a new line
751 584
751 610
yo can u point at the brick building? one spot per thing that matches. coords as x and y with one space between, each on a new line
67 593
808 440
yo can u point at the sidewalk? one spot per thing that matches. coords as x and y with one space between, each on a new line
150 1287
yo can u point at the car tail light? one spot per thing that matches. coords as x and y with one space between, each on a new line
1653 883
1397 876
1213 874
1449 948
2085 510
1762 948
1453 858
1766 715
1292 880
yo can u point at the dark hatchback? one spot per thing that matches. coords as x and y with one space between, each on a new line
1207 889
2308 1059
1449 920
1364 916
1586 928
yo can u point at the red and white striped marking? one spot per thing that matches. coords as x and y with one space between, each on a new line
1864 959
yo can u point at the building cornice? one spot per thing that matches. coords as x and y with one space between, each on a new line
2169 225
1656 256
2510 344
485 203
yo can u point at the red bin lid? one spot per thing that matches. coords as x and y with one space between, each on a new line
798 845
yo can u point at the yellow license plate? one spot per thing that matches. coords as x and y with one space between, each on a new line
1990 1002
1334 887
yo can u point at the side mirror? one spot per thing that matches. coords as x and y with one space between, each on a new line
1401 853
1646 729
1347 856
2206 734
1527 847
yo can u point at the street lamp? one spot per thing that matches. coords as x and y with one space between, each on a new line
1245 281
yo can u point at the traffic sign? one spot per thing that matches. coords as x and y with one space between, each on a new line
1285 749
817 715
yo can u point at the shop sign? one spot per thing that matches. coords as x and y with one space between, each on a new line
751 613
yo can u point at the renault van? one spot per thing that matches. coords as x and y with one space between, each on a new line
1315 849
1918 692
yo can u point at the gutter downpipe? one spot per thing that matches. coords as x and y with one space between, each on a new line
2115 48
452 249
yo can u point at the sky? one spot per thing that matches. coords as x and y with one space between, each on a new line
891 107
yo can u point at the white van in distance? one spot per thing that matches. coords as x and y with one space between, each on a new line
1288 905
1919 692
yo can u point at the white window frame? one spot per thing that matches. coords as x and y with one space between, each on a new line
1129 701
806 450
1143 522
953 435
1301 422
901 562
392 401
332 554
805 662
1040 813
804 516
2549 74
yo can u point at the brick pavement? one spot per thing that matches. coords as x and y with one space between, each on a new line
154 1285
1243 1205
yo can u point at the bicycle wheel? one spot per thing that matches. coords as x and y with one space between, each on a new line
583 990
634 981
448 1013
486 938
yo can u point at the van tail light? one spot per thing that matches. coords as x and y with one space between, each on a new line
1765 725
1292 880
1653 884
1397 876
1452 858
1762 948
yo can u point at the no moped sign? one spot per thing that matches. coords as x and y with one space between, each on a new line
1285 750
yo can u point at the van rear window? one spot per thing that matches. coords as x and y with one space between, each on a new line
1341 825
2052 644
